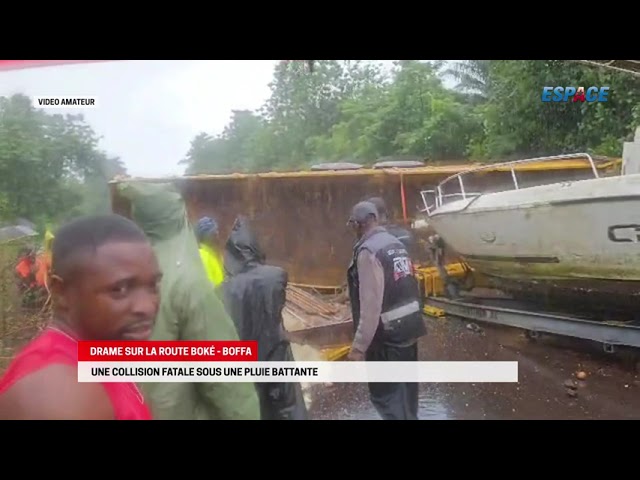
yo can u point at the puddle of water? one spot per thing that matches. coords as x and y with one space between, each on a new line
428 409
344 401
305 353
351 401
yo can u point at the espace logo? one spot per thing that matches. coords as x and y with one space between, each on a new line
573 94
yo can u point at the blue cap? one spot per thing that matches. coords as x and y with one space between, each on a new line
362 211
206 226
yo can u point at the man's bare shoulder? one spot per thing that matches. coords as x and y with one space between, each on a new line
54 393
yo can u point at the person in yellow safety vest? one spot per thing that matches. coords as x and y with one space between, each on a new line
209 245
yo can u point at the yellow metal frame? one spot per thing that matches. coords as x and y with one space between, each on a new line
433 311
432 284
336 353
446 169
430 281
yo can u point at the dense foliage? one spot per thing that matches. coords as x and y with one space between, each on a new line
356 111
51 167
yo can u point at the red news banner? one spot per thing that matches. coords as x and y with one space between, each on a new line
171 351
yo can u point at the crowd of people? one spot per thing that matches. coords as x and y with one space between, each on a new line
156 276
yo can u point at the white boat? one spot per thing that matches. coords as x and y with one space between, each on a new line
569 236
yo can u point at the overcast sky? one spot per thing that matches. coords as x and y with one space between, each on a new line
149 110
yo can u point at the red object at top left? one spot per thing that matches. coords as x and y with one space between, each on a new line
19 64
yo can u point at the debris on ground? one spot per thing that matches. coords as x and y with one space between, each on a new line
305 310
539 394
475 328
308 303
571 388
581 375
318 320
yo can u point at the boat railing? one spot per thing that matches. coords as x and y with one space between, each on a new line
439 198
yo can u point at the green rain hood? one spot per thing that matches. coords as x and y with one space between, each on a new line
189 309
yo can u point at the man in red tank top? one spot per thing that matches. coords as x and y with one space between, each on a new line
104 285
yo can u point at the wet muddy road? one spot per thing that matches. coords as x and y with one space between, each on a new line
548 386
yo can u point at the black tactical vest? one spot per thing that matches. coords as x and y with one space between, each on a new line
401 319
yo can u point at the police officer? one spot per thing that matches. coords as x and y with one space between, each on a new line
386 309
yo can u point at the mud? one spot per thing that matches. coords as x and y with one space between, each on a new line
548 386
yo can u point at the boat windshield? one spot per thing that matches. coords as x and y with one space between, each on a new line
513 175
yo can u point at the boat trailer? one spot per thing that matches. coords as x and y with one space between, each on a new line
441 287
535 323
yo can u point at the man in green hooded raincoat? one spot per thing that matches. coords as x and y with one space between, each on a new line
189 309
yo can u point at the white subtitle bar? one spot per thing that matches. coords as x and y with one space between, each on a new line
307 372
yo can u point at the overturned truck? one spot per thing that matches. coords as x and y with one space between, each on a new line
300 217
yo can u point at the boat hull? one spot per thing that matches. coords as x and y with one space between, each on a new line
579 237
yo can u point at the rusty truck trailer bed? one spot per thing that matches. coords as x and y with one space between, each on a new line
300 217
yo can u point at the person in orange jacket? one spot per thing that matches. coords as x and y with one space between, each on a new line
25 269
43 262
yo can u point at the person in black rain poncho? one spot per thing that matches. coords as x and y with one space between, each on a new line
401 233
254 295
